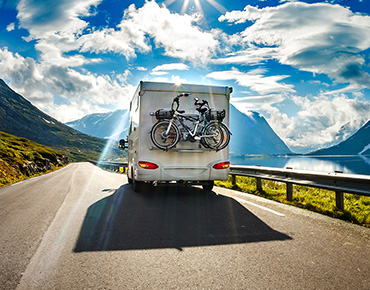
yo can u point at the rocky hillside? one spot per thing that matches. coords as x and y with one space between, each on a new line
20 118
21 158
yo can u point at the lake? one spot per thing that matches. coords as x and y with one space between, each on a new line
353 164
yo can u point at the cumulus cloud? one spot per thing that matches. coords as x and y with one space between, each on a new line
177 34
41 82
11 26
55 26
58 28
124 42
322 121
44 18
319 38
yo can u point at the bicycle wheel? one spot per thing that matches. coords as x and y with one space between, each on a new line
162 140
226 136
213 135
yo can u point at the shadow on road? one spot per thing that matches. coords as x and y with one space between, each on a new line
169 218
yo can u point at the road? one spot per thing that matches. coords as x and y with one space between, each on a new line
84 228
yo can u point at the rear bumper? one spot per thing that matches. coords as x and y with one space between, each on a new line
185 173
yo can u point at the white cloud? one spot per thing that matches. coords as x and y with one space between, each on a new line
176 34
171 66
256 103
52 53
319 38
124 42
250 56
178 80
161 79
41 82
159 73
322 121
11 26
75 110
55 27
255 80
45 18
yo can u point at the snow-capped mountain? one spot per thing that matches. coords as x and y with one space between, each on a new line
357 144
104 125
251 134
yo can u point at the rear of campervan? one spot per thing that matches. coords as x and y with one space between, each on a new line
186 163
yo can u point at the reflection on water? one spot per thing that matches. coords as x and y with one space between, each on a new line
354 164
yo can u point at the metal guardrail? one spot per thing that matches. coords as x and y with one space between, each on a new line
336 181
110 165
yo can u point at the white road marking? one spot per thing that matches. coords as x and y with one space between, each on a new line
257 205
19 182
241 200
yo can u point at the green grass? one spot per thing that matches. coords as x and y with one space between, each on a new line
356 207
17 152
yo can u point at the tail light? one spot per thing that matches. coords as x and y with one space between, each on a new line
222 165
147 165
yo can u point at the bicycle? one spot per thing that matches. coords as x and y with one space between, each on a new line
206 127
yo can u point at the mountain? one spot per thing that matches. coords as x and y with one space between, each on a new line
20 118
251 133
104 125
357 144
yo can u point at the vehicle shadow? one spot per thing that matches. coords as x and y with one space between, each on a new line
171 217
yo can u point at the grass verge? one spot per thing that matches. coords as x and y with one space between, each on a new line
356 207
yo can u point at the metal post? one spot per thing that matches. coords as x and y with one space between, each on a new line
259 183
289 191
339 200
233 179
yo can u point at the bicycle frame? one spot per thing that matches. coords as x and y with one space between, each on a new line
180 116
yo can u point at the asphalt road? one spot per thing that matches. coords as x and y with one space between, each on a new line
85 228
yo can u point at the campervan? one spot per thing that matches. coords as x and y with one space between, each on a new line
178 135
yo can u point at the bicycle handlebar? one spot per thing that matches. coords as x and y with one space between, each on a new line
176 101
200 104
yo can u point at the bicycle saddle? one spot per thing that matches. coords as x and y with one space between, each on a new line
181 111
201 110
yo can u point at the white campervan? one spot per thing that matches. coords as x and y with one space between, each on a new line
178 134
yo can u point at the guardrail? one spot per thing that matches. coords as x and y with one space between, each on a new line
336 181
110 165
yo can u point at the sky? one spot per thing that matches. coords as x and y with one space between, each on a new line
303 65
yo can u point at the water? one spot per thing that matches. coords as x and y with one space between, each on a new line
353 164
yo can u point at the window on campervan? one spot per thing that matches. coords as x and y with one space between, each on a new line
134 113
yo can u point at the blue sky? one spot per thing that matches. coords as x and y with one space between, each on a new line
303 65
